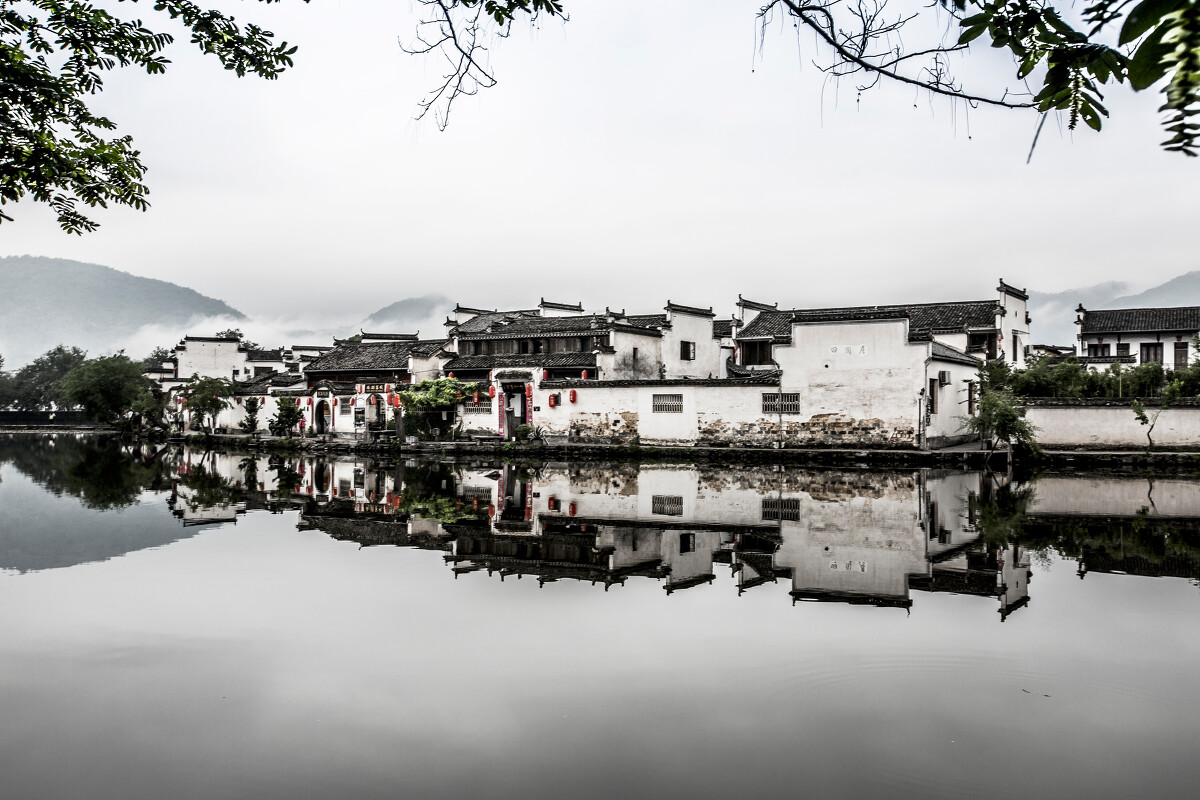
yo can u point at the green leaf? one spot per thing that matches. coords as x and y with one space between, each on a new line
1145 16
1149 63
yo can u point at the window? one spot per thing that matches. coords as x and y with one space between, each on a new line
635 355
687 351
1123 348
1016 342
667 404
687 542
933 396
670 505
1181 350
1152 353
345 406
977 342
484 407
480 493
970 398
771 403
775 509
755 353
1096 350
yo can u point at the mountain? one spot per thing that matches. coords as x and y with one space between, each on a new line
406 316
1054 312
1181 291
50 301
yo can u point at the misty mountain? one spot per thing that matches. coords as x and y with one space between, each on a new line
1181 291
1054 312
405 316
50 301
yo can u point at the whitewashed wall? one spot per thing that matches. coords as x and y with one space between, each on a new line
210 359
690 328
1113 426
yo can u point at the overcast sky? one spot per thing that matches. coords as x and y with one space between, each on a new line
637 153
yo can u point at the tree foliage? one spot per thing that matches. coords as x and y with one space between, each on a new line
249 423
54 147
38 384
1059 65
1001 418
106 387
205 398
287 417
236 333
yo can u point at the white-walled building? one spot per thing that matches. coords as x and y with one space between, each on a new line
1134 336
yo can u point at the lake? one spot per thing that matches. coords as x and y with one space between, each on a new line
184 624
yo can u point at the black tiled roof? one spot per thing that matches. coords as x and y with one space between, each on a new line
1142 320
722 328
647 320
480 323
768 323
350 356
943 352
923 317
264 355
428 347
544 360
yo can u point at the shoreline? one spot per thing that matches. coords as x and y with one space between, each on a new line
961 457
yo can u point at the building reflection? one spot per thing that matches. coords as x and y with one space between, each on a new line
846 536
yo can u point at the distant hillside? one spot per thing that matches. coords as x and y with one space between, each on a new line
1181 291
1054 312
50 301
405 316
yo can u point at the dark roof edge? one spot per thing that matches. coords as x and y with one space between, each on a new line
1012 291
694 310
560 306
744 303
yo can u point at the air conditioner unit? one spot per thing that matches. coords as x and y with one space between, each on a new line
944 377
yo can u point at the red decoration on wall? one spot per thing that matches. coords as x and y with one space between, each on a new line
572 395
491 391
571 509
585 374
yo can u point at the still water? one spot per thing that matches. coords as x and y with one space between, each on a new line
190 625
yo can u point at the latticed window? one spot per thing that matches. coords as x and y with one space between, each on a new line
345 405
477 493
776 403
775 509
670 505
667 404
687 351
484 406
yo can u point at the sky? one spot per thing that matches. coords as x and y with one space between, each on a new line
639 153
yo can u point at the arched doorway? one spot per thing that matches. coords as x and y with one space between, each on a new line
376 413
324 417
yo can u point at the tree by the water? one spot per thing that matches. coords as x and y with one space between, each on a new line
54 146
106 387
205 398
1060 65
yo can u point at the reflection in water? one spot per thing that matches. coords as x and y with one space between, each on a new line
860 537
585 630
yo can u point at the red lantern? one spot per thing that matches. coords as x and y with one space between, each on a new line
550 400
179 400
239 401
310 401
552 504
474 503
571 509
545 374
585 374
529 391
451 375
572 395
475 397
297 401
491 510
491 391
335 402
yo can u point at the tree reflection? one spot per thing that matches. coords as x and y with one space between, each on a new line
100 471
